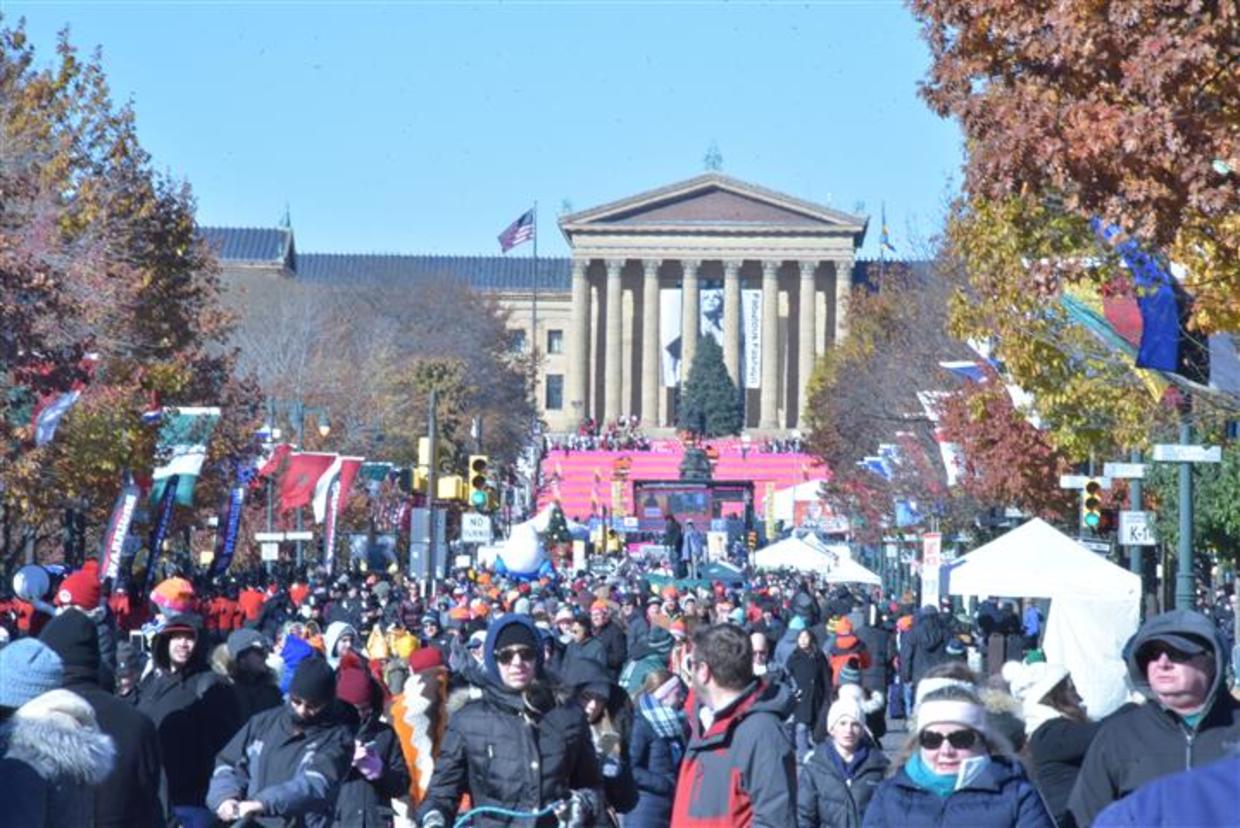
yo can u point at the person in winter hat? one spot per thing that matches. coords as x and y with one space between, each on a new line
286 765
1058 729
419 716
1178 660
839 778
195 711
130 793
516 718
378 773
81 592
243 660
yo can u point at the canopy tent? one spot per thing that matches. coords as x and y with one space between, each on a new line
811 556
1095 605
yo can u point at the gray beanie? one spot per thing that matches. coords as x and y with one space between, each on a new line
243 639
28 668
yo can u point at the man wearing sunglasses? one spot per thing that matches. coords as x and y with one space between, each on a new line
516 747
1177 660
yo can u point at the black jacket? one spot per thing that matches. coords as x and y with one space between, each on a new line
924 646
825 799
812 676
294 770
1058 748
615 647
516 750
877 641
195 713
365 803
1143 743
256 694
130 793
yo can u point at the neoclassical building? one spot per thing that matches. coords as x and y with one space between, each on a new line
766 274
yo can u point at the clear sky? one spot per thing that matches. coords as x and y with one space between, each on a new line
428 127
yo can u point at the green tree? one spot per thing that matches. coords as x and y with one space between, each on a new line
1216 503
710 404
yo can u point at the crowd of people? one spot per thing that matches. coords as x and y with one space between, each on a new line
622 434
365 699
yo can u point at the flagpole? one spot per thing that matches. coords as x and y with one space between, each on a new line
534 301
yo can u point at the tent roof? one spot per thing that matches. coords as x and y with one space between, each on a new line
802 555
1036 560
786 498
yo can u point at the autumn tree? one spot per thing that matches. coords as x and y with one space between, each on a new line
98 254
1120 111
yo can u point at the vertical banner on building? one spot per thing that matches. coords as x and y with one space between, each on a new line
167 503
113 548
227 530
768 508
669 335
710 310
751 338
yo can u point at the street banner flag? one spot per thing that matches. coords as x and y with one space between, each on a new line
47 419
884 239
228 528
163 521
519 232
304 471
183 436
268 464
342 470
113 545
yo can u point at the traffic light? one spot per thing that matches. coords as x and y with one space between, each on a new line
479 497
1091 503
421 478
450 487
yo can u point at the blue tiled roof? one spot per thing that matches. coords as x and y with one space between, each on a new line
249 245
479 272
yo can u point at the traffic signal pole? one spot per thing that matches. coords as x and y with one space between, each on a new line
432 483
1184 591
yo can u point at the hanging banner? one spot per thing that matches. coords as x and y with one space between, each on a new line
329 525
751 338
168 500
669 335
113 547
227 531
710 310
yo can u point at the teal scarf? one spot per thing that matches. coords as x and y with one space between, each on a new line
939 784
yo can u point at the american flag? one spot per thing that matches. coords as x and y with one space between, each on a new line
519 232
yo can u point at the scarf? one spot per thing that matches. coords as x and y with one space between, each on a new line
849 769
939 784
664 721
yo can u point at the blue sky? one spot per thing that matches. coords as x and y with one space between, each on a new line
428 127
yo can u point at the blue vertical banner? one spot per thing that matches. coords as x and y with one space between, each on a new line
167 503
112 550
227 530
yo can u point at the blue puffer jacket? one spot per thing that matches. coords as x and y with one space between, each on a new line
656 762
1202 796
1000 797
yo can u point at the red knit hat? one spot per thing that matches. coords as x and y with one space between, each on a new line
425 658
81 589
353 686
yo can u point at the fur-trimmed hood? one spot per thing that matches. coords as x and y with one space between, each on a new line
56 735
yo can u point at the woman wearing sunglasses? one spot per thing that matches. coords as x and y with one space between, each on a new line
953 771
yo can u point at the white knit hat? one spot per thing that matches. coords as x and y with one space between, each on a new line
844 708
1031 682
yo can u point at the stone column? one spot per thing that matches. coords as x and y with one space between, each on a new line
612 383
769 395
651 362
732 320
805 338
579 346
690 316
843 287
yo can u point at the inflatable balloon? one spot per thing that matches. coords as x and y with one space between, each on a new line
523 554
31 583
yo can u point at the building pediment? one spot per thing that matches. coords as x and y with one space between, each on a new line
712 203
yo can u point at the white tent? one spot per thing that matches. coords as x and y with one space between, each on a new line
1095 605
806 556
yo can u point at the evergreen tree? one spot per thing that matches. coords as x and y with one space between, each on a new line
710 404
557 527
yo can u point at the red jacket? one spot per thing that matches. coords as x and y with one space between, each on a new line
742 771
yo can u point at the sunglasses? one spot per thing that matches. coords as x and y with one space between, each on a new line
960 739
1152 653
509 654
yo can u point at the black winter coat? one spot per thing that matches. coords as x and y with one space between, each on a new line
1058 748
825 799
812 674
195 713
656 764
877 641
507 753
924 646
365 803
295 770
255 696
615 647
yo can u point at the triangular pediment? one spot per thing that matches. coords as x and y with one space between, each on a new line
712 200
